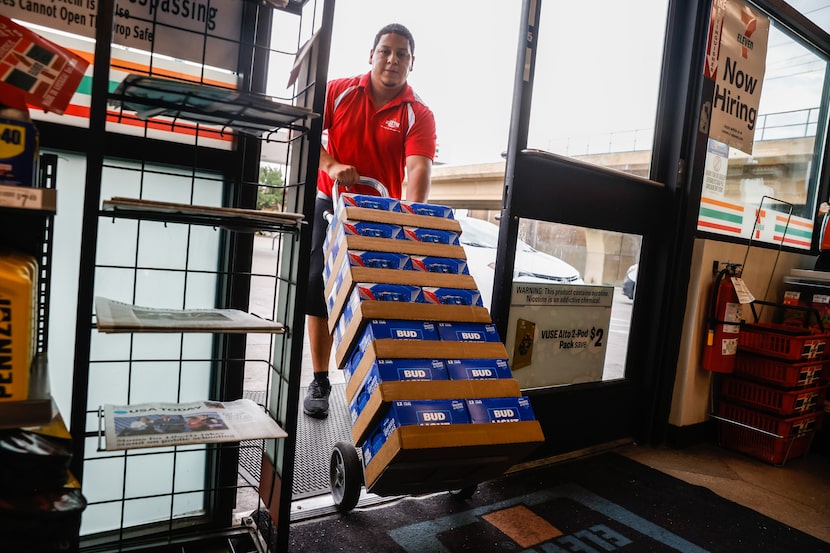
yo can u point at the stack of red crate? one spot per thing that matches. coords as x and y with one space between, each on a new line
772 405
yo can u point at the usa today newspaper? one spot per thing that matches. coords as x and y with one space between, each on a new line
169 424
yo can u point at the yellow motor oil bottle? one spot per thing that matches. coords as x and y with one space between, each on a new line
17 293
30 265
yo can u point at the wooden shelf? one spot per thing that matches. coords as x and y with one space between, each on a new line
28 199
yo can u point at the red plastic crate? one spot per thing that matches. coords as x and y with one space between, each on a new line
787 374
782 341
766 437
773 400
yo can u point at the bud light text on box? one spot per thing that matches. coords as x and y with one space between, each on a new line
427 412
451 296
386 370
478 369
433 236
411 369
500 409
430 210
414 413
468 332
379 329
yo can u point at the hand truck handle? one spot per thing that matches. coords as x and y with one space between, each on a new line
328 215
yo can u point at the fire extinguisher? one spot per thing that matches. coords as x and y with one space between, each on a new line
723 324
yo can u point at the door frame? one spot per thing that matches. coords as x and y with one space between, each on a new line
548 187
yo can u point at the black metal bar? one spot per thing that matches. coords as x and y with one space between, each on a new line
92 191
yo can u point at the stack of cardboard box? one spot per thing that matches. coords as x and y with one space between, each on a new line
432 399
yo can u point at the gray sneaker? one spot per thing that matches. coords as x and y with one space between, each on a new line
316 402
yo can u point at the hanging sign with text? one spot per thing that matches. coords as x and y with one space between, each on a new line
201 31
557 333
736 54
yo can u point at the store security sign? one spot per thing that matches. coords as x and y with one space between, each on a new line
736 61
557 333
202 31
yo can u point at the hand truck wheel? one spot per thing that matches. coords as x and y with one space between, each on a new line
345 476
464 493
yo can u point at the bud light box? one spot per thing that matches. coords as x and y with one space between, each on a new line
377 291
478 369
381 291
500 409
361 292
395 370
378 260
432 264
414 413
433 236
430 210
468 332
451 296
338 231
369 259
380 329
372 291
369 202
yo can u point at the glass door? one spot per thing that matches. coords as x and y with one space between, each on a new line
591 180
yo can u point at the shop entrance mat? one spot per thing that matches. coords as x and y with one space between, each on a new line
315 441
601 503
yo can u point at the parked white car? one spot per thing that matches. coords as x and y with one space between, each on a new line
480 241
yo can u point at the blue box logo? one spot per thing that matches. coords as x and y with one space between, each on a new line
451 296
378 260
431 210
432 264
433 236
370 202
414 413
499 410
478 369
379 329
381 291
468 332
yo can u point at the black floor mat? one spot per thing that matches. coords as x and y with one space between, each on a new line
602 503
315 440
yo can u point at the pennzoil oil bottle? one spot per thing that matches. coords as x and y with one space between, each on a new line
18 333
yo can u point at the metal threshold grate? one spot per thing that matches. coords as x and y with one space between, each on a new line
315 441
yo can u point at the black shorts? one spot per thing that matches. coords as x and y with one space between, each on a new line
316 295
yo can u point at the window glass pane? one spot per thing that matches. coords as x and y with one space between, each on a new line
780 175
596 82
463 72
573 296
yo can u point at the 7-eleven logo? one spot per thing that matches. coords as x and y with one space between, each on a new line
750 26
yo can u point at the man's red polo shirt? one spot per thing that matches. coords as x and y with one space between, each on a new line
376 142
